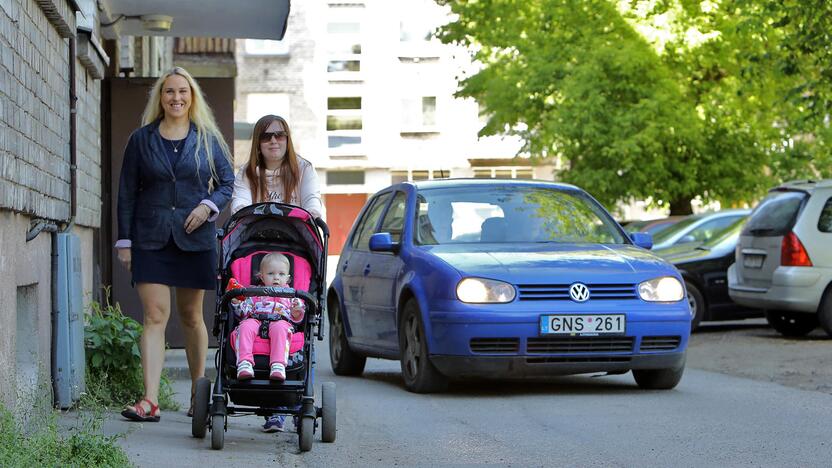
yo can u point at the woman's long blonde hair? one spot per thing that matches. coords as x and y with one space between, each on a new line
289 168
200 115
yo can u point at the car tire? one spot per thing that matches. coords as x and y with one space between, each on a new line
344 361
419 374
697 305
658 379
825 312
790 323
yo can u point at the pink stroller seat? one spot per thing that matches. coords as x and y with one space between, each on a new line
243 270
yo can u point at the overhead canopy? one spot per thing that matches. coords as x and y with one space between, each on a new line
249 19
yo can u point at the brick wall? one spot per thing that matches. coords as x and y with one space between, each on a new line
34 138
34 147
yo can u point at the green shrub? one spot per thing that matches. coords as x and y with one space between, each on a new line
45 446
114 364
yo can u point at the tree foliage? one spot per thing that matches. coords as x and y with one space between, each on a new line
666 100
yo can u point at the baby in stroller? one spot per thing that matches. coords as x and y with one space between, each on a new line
269 317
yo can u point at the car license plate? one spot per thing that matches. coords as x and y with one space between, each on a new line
584 324
752 261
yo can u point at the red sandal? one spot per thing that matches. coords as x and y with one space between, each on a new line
137 411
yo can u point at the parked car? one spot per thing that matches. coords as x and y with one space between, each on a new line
697 228
784 260
503 279
704 267
652 226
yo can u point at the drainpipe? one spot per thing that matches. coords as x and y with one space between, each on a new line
73 140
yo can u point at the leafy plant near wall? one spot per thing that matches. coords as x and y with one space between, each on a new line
45 445
114 366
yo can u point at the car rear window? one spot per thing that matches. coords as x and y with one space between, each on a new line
775 215
825 221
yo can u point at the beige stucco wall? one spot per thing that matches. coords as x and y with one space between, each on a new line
24 365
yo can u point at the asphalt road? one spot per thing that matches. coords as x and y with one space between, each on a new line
710 419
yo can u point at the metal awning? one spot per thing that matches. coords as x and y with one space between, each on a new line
249 19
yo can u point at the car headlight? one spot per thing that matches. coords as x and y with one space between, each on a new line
664 289
481 291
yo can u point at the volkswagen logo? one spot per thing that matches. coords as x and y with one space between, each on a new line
579 292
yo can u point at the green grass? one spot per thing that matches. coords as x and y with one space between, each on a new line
44 445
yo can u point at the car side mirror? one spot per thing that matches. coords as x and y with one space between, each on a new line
642 239
383 242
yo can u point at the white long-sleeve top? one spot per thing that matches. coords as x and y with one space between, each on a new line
307 194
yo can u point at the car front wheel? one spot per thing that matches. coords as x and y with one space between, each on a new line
419 374
791 323
658 379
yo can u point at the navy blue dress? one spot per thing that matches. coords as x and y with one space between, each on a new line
171 265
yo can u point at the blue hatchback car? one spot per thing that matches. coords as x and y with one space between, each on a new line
503 279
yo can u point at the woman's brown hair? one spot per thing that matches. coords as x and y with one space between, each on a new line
289 169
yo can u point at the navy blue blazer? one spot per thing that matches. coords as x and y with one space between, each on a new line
154 199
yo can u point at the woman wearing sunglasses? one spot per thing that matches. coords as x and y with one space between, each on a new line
275 172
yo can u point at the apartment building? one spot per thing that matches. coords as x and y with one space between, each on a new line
369 95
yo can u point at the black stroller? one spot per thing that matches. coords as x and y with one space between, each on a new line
247 237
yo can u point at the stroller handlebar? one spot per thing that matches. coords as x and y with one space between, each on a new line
265 291
322 224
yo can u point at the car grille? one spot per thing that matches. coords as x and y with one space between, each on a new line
560 292
579 344
660 343
495 345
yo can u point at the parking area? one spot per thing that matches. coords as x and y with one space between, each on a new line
752 349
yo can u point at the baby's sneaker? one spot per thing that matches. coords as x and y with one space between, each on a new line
245 371
278 372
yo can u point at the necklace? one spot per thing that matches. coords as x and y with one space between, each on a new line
176 146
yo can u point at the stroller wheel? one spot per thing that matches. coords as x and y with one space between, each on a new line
202 395
217 431
328 412
306 433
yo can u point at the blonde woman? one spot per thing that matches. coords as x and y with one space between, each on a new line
275 172
175 179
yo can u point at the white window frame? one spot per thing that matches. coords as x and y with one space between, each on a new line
265 47
421 126
345 16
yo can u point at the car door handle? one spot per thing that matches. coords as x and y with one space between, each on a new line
344 266
367 270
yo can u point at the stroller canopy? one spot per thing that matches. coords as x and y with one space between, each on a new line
278 224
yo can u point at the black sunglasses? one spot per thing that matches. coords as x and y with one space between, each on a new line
267 136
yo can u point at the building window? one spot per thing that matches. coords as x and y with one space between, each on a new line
343 66
341 122
397 177
419 113
504 173
344 47
336 141
345 178
337 103
260 104
524 173
266 47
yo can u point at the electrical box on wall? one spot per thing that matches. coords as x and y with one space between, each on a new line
68 359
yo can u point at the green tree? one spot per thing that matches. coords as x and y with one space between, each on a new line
695 109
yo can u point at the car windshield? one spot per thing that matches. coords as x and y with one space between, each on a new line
674 229
493 213
728 234
775 215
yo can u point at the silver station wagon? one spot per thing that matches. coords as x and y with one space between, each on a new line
784 258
